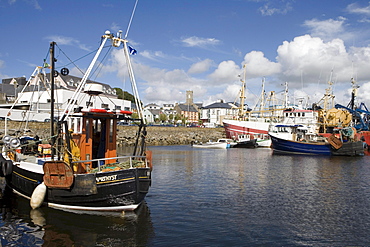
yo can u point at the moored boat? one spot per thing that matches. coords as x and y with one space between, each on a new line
299 139
245 141
219 144
255 122
77 168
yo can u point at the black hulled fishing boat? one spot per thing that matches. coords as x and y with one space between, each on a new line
78 168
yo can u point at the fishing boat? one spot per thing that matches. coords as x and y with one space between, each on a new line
77 168
299 139
255 121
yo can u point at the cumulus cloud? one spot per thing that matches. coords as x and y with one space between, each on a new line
157 85
364 92
307 63
258 65
226 71
200 67
200 42
311 56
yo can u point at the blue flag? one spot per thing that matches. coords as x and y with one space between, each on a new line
132 51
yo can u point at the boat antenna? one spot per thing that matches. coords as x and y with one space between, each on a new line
132 17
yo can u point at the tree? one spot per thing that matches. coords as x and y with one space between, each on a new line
178 117
119 92
163 117
170 117
125 95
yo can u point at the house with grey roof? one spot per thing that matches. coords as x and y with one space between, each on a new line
213 114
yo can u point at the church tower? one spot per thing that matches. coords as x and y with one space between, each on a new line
189 98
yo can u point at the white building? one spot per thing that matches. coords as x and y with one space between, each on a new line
213 114
35 101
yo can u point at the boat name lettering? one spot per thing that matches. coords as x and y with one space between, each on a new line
106 178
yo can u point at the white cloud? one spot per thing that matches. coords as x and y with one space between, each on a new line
258 65
62 40
155 56
355 9
200 67
364 93
227 71
328 29
306 63
199 42
310 57
275 7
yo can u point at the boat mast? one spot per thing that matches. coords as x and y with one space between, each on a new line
133 80
351 104
52 133
242 93
69 109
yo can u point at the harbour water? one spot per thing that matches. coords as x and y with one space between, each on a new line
209 197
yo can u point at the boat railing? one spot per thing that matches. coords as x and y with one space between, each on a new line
129 163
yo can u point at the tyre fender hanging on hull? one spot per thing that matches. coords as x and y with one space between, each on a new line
7 167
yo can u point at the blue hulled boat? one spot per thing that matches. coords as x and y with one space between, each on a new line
299 139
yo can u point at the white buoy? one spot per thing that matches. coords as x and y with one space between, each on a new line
38 196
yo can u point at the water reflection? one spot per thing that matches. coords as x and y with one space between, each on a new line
21 226
242 197
236 197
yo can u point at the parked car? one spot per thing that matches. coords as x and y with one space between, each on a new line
47 120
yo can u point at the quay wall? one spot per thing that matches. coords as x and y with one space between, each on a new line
126 135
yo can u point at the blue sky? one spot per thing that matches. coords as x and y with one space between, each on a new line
200 45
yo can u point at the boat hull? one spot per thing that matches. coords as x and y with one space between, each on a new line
296 147
105 191
212 145
247 144
233 128
349 149
287 146
264 143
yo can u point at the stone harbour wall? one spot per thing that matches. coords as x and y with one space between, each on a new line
126 135
158 136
